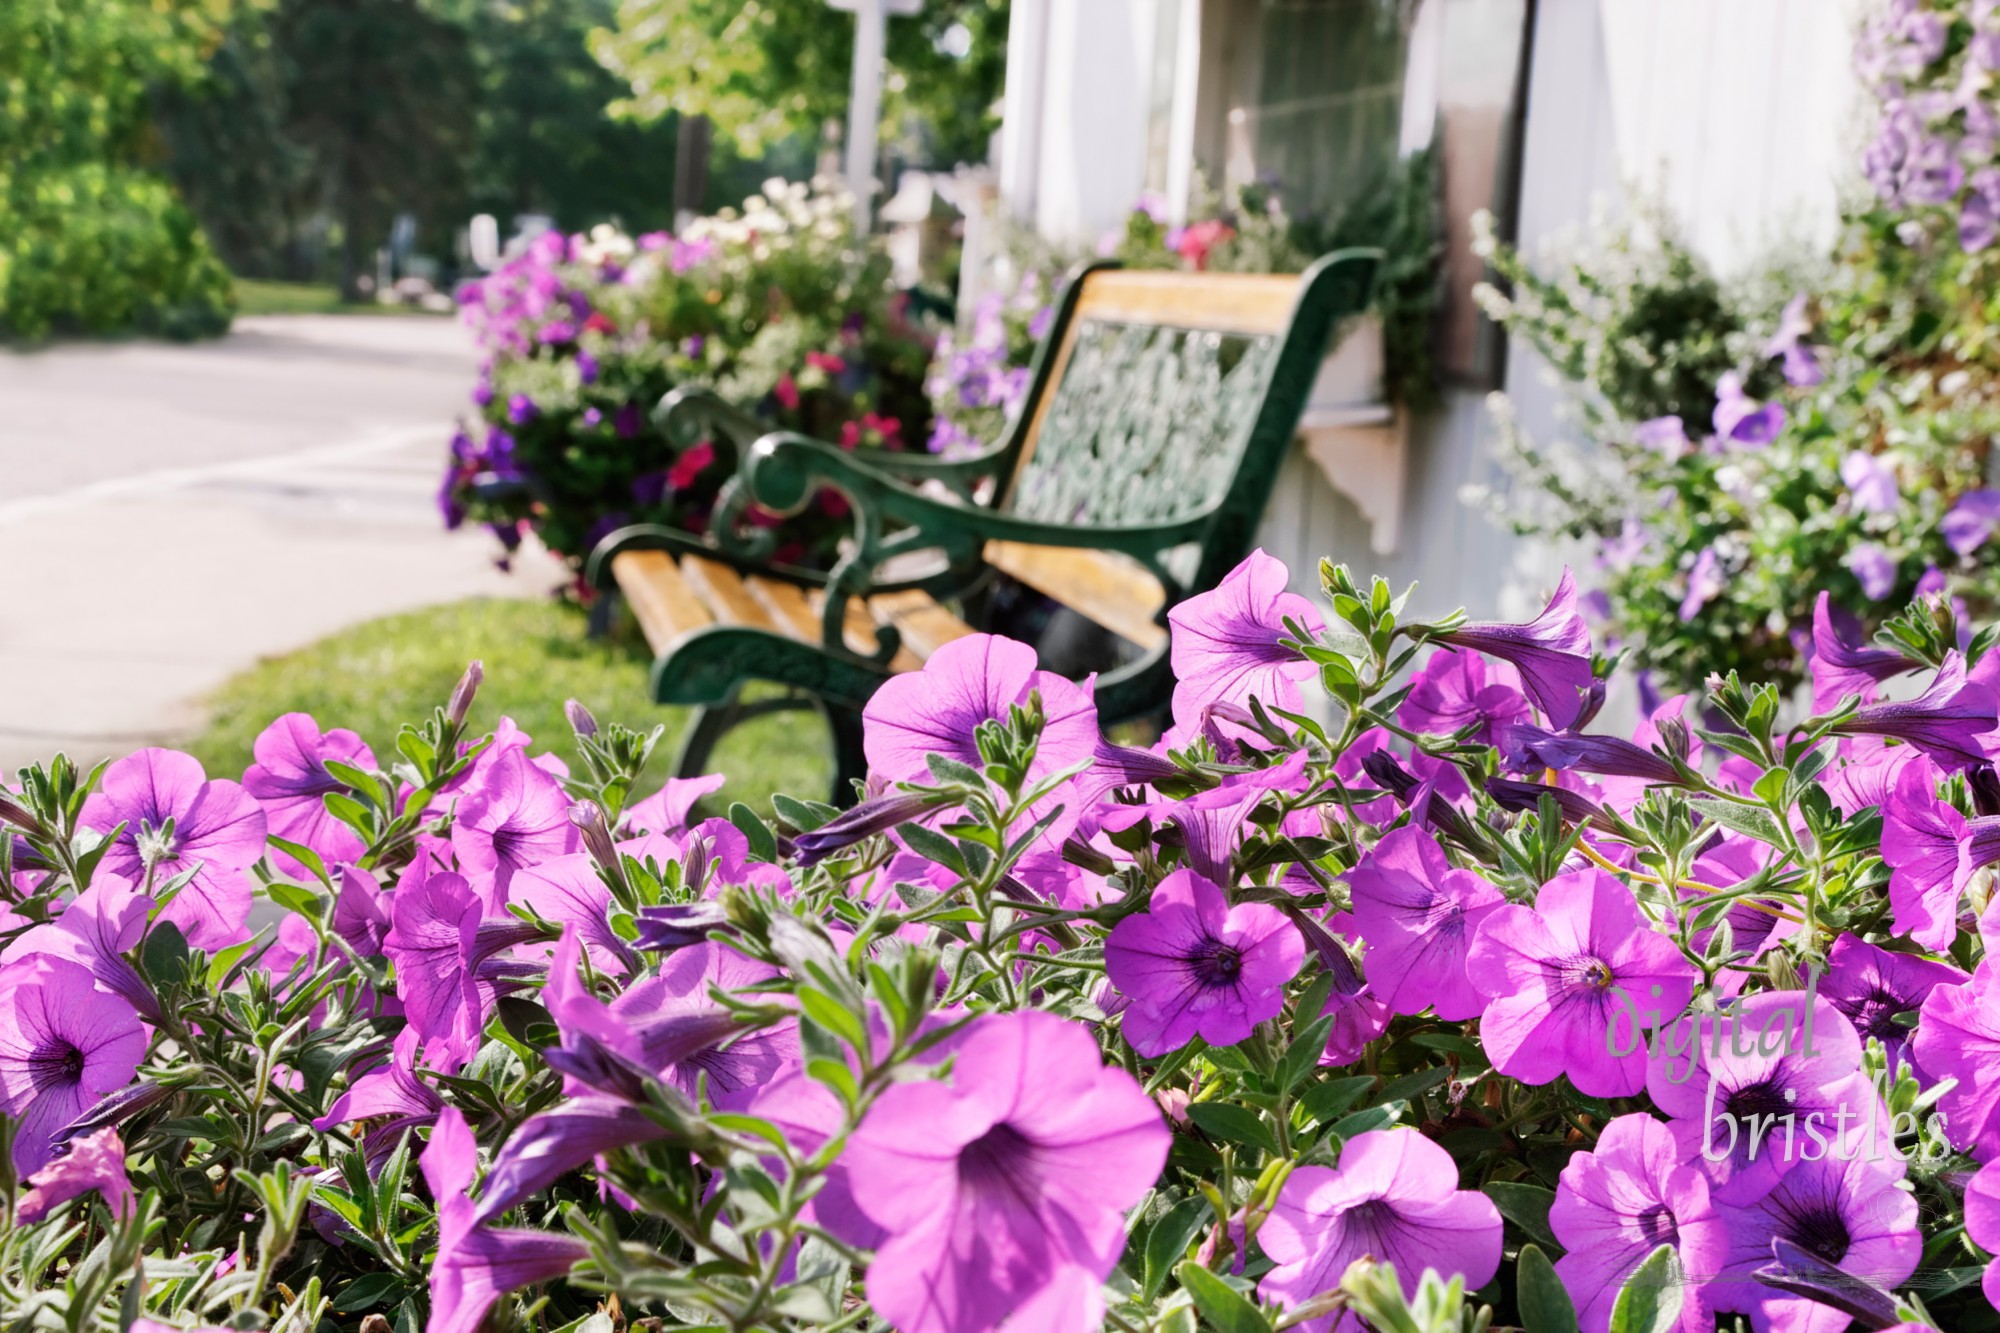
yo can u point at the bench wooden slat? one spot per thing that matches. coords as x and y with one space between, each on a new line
788 606
1223 302
858 629
1110 589
721 589
925 625
660 598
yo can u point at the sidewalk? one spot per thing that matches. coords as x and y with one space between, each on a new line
169 515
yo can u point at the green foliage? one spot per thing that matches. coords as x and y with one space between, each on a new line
763 70
88 241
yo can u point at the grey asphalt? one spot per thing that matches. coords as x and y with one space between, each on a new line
170 514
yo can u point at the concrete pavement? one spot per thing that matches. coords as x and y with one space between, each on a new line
170 514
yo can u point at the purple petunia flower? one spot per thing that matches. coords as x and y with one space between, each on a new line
390 1100
1753 1092
550 1144
1871 482
1802 369
1982 1224
217 826
1971 521
1932 851
1705 581
1226 643
967 682
1872 986
64 1045
1846 1212
442 947
1618 1203
1552 653
1394 1198
477 1265
1841 667
1871 563
1534 748
1946 721
1453 692
1667 435
1958 1036
1740 418
1418 914
94 1162
1003 1190
514 817
1359 1017
1192 965
1548 973
105 923
290 780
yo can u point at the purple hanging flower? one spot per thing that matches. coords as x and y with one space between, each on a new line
1664 435
1359 1017
390 1100
1846 1212
1872 986
1192 965
1548 973
94 1163
667 810
1394 1198
106 922
1958 1036
514 817
1740 418
1552 653
1003 1190
1533 747
1618 1203
1871 482
1982 1224
1418 914
1841 667
64 1045
1452 692
967 682
290 780
1226 643
216 824
1872 564
442 947
1946 721
1932 851
1971 521
1705 581
1801 363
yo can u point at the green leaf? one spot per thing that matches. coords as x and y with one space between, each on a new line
1739 818
1373 1118
368 1290
1527 1207
1651 1300
1325 1101
292 898
1237 1124
1167 1242
834 1016
1545 1305
165 953
1226 1309
763 847
304 855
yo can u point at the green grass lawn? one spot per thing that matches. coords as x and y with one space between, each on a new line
257 297
374 677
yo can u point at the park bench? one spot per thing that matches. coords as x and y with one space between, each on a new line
1160 406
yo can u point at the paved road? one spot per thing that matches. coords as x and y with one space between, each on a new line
169 514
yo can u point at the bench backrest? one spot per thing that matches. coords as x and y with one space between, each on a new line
1165 398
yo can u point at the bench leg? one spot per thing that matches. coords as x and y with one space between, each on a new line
850 764
706 728
709 723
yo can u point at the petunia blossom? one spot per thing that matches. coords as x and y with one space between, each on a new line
1394 1197
105 923
968 682
64 1045
1227 642
515 818
94 1162
1958 1037
218 833
1871 482
1932 851
290 780
1848 1212
1193 965
1456 690
1619 1202
1003 1190
1873 986
1564 978
1947 721
1418 914
1982 1224
1740 418
1841 667
1552 653
1971 521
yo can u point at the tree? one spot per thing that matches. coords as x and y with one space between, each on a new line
765 70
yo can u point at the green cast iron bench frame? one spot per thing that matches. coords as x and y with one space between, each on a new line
1159 409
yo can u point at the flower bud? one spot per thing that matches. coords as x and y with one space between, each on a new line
462 693
588 817
580 720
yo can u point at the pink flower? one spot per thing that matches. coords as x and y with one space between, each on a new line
518 816
94 1162
1394 1198
64 1045
1552 653
1003 1191
1982 1223
218 833
1549 972
967 682
1418 915
1192 965
290 780
1453 691
1226 643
